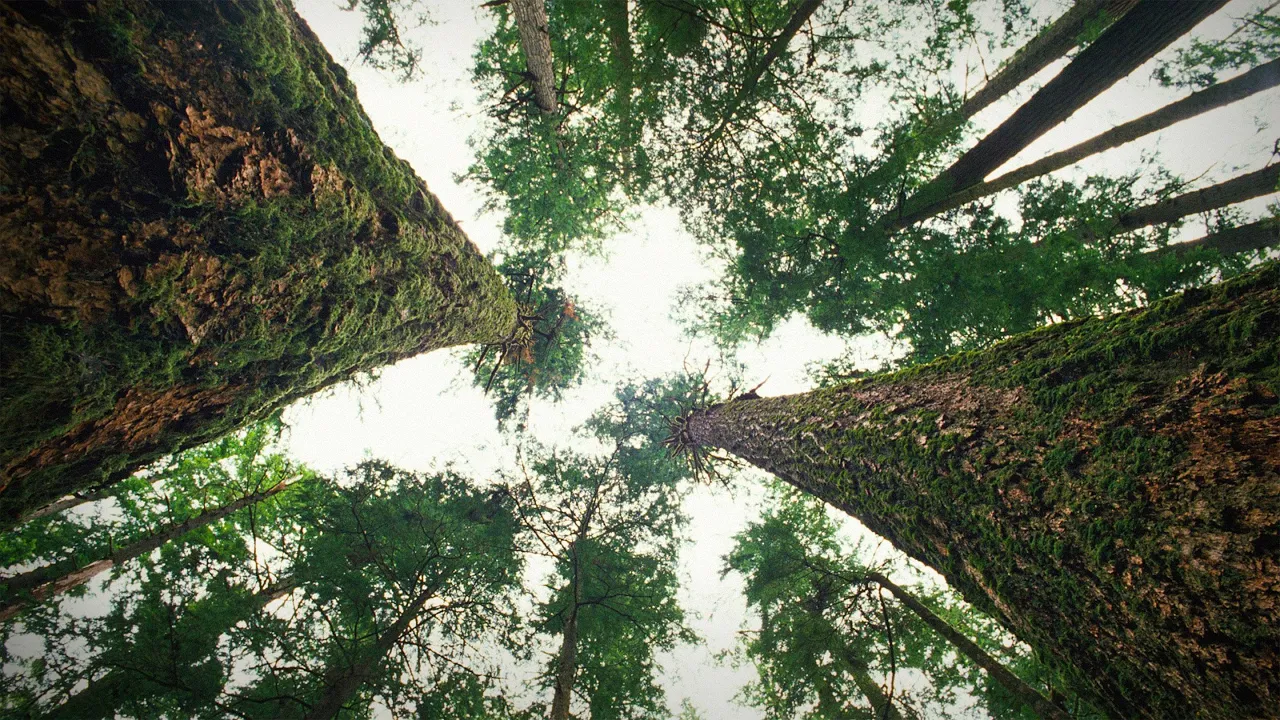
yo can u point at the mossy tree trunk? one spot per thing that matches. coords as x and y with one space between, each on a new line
1109 488
198 224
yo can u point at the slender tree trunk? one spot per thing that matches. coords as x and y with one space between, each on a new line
804 10
1237 189
881 704
341 683
1263 77
1109 488
567 660
198 225
44 583
535 43
65 503
1050 44
1257 235
1133 39
1025 694
618 18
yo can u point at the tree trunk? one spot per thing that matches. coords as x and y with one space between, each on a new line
1257 235
622 57
567 660
1109 488
1237 189
198 225
65 503
535 43
881 704
1132 40
341 683
1050 44
1025 694
804 10
44 583
1263 77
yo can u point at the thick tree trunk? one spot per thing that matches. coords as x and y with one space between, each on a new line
804 10
535 42
1133 39
1257 235
198 224
1050 44
1025 694
1236 190
44 583
1263 77
1109 488
342 683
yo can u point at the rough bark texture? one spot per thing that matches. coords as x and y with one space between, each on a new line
1144 31
1026 694
342 683
1237 189
1263 77
1050 44
44 583
535 43
1109 488
198 224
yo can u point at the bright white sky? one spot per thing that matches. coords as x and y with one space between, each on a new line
422 413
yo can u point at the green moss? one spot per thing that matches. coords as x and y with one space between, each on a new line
310 286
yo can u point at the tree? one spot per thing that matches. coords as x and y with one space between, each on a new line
206 227
1133 39
211 484
823 629
401 575
549 351
610 529
1263 77
1101 486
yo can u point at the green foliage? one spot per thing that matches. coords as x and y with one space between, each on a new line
1254 41
316 287
549 352
381 45
827 640
369 548
611 525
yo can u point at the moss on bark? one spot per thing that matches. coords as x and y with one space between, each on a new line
1109 488
198 225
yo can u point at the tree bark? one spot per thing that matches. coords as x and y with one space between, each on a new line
1050 44
1236 190
1025 694
1257 235
1263 77
535 42
567 660
1133 39
804 10
44 583
1109 488
198 224
341 683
